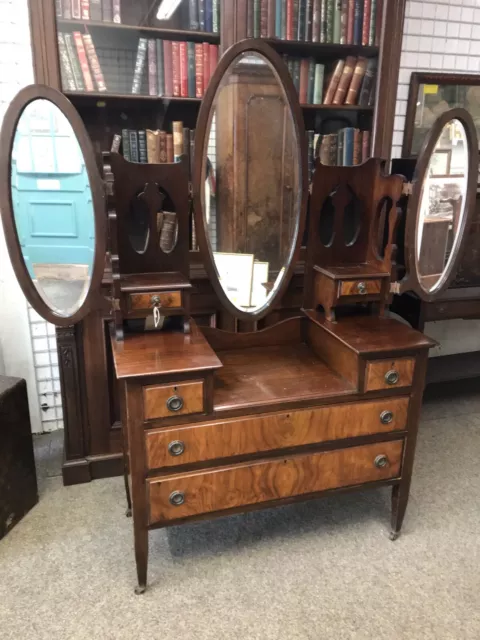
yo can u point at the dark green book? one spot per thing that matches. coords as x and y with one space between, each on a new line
296 73
323 20
337 21
256 18
133 138
278 18
373 23
160 69
126 144
191 69
309 21
302 16
142 146
296 9
340 143
348 136
311 81
329 20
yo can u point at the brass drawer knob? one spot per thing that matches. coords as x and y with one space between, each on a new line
176 448
362 288
386 417
155 300
176 498
175 403
392 377
381 461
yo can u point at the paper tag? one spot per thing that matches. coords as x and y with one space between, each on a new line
430 88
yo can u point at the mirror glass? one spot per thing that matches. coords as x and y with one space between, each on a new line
251 195
52 205
442 207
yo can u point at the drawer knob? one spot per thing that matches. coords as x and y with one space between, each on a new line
392 377
177 498
176 448
155 300
175 403
362 288
386 417
381 461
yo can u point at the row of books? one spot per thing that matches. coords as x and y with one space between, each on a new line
79 63
95 10
351 81
204 15
346 147
329 21
155 146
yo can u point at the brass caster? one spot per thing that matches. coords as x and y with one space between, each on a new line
128 513
394 535
140 589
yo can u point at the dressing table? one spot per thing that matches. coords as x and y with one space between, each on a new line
216 421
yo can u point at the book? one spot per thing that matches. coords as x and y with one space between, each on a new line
296 74
330 11
67 9
126 144
256 18
365 145
116 142
213 58
333 81
201 15
337 21
373 23
316 20
191 69
142 147
176 69
344 22
177 132
59 8
152 145
68 79
310 146
309 21
139 68
339 149
324 154
344 81
117 18
302 94
311 81
82 57
162 147
367 82
358 22
318 83
278 18
348 136
323 21
186 147
215 16
193 15
371 97
250 18
152 68
167 62
271 18
350 20
75 62
296 9
183 70
208 16
378 22
301 19
356 81
289 20
96 10
357 146
367 5
284 20
94 63
170 156
76 10
198 70
133 140
160 69
206 65
107 10
263 18
85 9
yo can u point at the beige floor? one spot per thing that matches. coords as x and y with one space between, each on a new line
320 570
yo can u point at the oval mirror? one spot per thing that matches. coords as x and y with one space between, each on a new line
250 178
52 206
442 203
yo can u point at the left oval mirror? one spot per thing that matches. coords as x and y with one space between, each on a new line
54 234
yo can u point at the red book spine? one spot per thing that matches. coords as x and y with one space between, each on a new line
367 8
183 70
350 21
378 25
206 65
94 63
167 67
176 69
76 10
289 16
82 57
85 9
199 70
213 58
302 94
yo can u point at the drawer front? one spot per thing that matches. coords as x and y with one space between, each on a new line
166 299
223 488
167 400
360 287
389 374
241 436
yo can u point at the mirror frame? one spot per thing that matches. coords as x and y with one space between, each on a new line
7 137
253 45
411 281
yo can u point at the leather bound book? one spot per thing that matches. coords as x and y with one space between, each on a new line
176 69
75 62
153 146
365 145
367 6
357 78
333 149
152 68
378 22
206 65
198 70
357 146
133 138
177 132
330 19
358 22
191 69
250 18
193 15
263 18
348 140
373 23
139 65
303 92
142 147
117 18
183 70
208 16
201 15
333 81
325 150
162 147
85 9
96 10
116 142
309 21
256 18
296 9
311 80
160 69
323 21
76 10
271 19
170 156
302 13
289 20
107 10
126 144
68 79
213 48
67 9
344 22
215 16
344 81
82 57
318 83
94 63
167 66
350 20
337 21
367 82
316 20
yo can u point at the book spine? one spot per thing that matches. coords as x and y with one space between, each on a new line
126 144
367 83
191 69
296 74
301 20
378 22
215 16
68 79
116 11
333 83
96 10
348 147
316 20
284 19
107 10
170 155
350 20
344 22
139 65
183 70
82 57
318 84
67 9
85 9
152 147
333 148
162 147
373 23
74 61
367 5
160 68
208 16
186 146
167 67
177 90
133 138
278 18
371 97
201 15
323 21
325 150
198 70
142 147
296 9
345 80
193 15
263 18
116 142
76 10
152 67
357 146
206 65
256 18
303 81
213 58
177 130
311 81
339 149
358 22
357 77
250 18
289 18
337 21
59 8
271 19
330 20
310 146
94 63
365 145
309 21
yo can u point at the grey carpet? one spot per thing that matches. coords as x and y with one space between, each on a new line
319 570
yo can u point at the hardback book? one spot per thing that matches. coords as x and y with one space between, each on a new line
198 70
176 69
75 62
340 144
126 144
167 61
337 21
309 21
289 20
333 149
152 68
85 9
186 147
271 19
250 18
183 70
357 146
153 146
358 22
67 9
160 69
323 21
117 18
325 152
344 81
76 10
94 63
96 10
191 69
330 20
344 22
296 9
278 19
318 83
365 145
311 81
350 20
333 81
296 74
215 16
142 147
59 8
310 146
193 15
348 136
133 139
201 15
316 20
208 16
68 79
371 97
317 141
206 65
256 18
378 22
170 156
107 10
356 82
373 23
284 20
213 58
139 68
162 147
82 57
177 132
302 94
116 142
367 82
263 18
302 14
367 5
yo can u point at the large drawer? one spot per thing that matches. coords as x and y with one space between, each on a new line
267 432
180 496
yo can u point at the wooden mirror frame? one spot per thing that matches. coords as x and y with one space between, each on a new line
7 137
411 281
253 45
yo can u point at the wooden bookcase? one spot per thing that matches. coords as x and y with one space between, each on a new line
90 399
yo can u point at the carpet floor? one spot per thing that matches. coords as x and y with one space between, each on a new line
319 570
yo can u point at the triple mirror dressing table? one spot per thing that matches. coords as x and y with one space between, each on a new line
214 421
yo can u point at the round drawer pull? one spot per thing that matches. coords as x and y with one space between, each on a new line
175 403
176 448
177 498
381 461
386 417
392 377
155 300
362 288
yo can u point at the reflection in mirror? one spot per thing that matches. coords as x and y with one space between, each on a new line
442 208
251 192
52 204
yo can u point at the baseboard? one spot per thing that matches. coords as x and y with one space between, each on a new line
92 468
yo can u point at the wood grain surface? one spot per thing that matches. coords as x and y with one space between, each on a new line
155 399
169 299
376 371
351 287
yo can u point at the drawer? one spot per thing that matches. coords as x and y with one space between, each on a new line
242 436
166 299
183 495
167 400
360 287
389 374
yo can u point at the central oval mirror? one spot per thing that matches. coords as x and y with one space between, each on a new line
251 183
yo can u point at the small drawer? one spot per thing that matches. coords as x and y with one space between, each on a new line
167 400
184 495
360 287
389 374
165 299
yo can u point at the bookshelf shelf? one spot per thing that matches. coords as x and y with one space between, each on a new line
166 34
83 96
320 49
337 107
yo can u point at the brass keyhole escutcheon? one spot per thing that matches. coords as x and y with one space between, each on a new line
386 417
362 288
392 377
176 448
177 498
155 300
175 403
381 461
